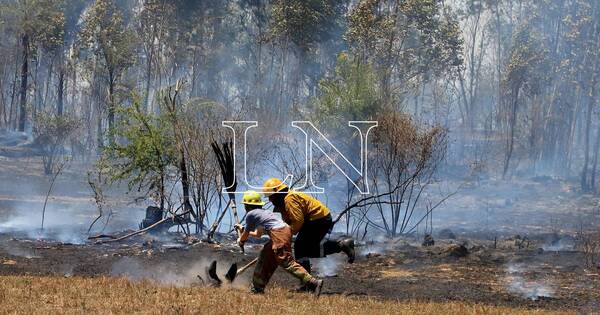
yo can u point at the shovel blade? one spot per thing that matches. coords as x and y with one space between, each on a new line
212 272
231 273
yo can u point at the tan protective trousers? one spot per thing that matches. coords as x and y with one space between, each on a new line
277 252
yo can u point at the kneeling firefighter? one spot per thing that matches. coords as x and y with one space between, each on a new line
310 219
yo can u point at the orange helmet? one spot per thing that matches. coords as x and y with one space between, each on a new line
272 186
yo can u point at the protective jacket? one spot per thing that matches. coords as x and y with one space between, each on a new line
300 207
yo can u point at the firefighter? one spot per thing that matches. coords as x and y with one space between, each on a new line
277 251
310 219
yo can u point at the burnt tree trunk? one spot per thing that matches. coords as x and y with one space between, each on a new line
111 107
511 138
595 163
185 182
148 80
12 115
24 76
61 89
586 158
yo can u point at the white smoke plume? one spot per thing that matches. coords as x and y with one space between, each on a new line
172 274
328 266
530 289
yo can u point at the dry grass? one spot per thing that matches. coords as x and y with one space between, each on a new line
397 273
54 295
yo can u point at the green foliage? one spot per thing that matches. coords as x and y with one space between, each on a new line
407 40
304 22
42 20
366 27
106 34
350 93
145 150
50 24
582 23
155 20
528 62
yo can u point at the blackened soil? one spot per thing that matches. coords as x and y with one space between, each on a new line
526 277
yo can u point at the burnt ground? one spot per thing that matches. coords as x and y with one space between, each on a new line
504 275
545 271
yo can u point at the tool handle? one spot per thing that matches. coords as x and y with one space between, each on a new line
250 264
234 208
237 219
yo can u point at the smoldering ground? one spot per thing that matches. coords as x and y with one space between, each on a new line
529 288
175 274
15 249
63 222
400 270
404 270
66 211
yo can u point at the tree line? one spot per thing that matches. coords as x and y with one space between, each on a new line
514 82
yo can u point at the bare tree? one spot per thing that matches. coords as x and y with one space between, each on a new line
404 161
51 134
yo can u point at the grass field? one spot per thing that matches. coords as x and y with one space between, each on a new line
104 295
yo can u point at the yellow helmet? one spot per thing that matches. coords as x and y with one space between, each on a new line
252 198
272 186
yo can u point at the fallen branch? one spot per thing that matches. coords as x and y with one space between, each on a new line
139 231
101 236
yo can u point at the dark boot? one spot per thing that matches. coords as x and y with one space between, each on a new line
347 246
315 285
305 263
256 290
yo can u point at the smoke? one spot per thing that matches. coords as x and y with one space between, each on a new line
18 251
66 219
562 244
167 274
66 270
62 224
14 139
328 266
377 245
372 248
530 289
59 225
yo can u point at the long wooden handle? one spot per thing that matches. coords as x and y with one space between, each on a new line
237 219
250 264
234 209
